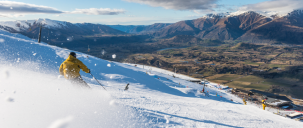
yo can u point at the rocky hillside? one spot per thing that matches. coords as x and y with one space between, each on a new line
249 26
286 29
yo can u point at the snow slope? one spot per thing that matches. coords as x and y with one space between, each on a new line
33 96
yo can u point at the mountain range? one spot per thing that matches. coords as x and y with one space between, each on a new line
57 31
140 29
248 26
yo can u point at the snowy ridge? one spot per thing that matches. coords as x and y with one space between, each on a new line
295 13
266 14
33 96
233 14
216 15
17 25
51 23
26 24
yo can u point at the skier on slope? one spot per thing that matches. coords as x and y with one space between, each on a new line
70 69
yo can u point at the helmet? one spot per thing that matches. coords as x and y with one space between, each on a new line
73 54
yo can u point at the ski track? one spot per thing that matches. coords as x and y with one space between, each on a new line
149 101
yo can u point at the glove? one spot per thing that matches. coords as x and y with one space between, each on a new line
88 70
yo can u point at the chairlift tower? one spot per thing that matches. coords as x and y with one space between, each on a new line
40 30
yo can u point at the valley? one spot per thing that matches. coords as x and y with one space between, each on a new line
248 66
246 50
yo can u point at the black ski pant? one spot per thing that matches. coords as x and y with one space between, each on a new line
79 81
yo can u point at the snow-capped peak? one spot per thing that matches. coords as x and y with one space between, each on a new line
51 23
216 15
295 13
25 24
269 14
232 14
237 13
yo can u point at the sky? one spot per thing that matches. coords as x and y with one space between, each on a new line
134 12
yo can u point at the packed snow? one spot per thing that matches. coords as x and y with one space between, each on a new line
33 95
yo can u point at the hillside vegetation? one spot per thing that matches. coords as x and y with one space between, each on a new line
269 68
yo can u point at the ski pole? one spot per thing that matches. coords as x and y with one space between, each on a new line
97 81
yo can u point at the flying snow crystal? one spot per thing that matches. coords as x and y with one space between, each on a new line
111 77
108 65
69 38
35 54
61 123
1 40
103 52
11 7
18 60
95 64
114 56
9 99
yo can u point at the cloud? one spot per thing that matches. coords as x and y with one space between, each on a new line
96 11
11 7
11 15
206 11
179 4
279 6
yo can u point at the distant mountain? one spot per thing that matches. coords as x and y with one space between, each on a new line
220 27
140 29
246 26
57 31
286 29
150 28
243 26
124 28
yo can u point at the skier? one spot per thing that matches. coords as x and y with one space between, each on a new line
263 104
126 87
70 69
244 101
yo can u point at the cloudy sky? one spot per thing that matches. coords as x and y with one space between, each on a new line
134 12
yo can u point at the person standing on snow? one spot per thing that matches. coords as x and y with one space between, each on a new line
70 69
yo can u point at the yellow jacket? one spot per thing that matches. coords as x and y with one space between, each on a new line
70 68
